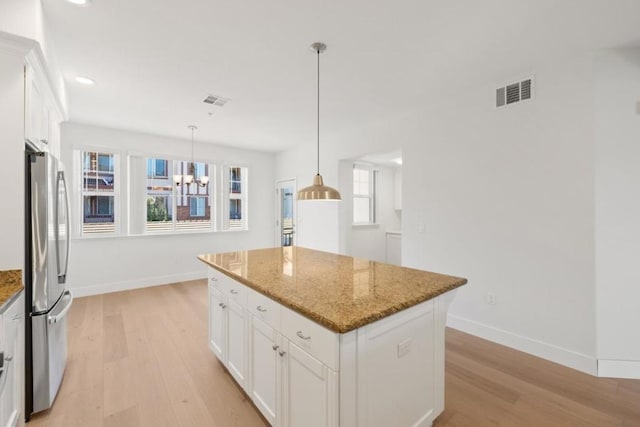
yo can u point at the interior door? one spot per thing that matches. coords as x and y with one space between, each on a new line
285 212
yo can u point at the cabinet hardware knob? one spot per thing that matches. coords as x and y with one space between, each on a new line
261 309
233 291
213 279
282 353
223 305
300 335
8 358
275 347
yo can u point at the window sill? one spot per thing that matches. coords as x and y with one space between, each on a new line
165 233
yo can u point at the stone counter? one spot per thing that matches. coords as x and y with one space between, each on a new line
339 292
10 286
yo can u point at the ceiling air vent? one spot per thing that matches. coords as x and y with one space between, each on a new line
216 100
514 92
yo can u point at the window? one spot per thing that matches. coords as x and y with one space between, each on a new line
236 198
99 195
157 168
190 202
196 206
364 195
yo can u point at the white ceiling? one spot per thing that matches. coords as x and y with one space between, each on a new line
156 60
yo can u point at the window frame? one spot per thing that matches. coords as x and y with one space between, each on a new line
371 196
229 194
79 191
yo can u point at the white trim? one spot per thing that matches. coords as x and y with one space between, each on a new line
553 353
105 288
619 368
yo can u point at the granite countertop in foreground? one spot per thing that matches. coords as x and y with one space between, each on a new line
10 285
339 292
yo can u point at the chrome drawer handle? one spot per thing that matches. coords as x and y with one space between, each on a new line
275 347
282 353
299 334
213 279
223 305
261 309
233 291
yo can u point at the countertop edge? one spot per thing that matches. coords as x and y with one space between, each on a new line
10 284
337 328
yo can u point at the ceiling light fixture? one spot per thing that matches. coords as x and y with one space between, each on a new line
85 80
80 2
318 191
398 161
188 178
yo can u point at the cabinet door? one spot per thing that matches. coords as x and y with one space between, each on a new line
10 380
35 120
237 342
217 323
264 369
310 391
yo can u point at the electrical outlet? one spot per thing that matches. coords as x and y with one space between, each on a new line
404 347
491 298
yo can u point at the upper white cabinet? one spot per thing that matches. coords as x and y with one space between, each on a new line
12 374
42 116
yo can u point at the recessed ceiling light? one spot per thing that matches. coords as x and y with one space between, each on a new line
85 81
80 2
398 160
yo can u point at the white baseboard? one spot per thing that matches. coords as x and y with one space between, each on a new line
619 368
105 288
553 353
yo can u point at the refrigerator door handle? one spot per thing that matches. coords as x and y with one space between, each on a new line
62 198
55 318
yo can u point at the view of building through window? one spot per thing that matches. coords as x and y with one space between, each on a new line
190 202
237 194
98 192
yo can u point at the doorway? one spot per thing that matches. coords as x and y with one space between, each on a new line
285 212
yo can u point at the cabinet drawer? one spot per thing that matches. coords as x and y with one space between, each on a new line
216 278
235 291
264 309
318 341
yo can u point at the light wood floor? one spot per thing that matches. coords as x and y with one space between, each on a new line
140 358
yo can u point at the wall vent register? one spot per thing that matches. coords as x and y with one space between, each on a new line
514 92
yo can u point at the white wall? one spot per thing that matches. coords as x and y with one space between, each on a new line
505 198
12 155
617 108
106 264
22 18
368 241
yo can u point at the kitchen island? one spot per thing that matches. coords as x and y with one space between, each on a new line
316 338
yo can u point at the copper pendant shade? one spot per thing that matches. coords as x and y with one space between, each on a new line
318 191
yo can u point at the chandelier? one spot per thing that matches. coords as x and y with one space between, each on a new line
191 170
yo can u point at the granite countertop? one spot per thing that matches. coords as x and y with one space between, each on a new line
10 286
339 292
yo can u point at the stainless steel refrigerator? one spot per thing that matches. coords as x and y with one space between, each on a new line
47 260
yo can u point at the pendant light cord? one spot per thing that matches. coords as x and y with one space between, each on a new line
318 118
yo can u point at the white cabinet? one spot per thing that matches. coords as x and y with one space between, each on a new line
42 117
265 370
228 325
217 324
310 390
394 248
299 373
12 377
289 386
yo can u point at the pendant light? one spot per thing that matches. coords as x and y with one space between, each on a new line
318 191
191 169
